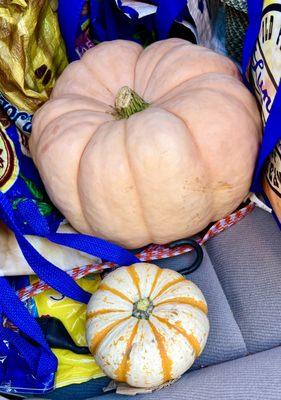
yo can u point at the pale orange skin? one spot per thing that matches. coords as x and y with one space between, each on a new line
166 172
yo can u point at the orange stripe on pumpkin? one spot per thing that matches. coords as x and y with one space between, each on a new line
167 363
135 278
101 335
190 338
122 370
103 286
169 285
93 314
157 276
186 300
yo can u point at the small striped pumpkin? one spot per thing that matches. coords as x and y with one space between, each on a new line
146 325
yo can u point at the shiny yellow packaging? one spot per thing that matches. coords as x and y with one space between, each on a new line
32 52
72 368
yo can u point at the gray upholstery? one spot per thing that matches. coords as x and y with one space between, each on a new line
225 340
256 377
247 259
241 279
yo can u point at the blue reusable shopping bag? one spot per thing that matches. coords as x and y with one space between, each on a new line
87 22
261 68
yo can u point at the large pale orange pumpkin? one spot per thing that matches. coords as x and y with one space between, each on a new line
154 164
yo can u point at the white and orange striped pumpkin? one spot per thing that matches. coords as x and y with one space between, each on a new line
146 325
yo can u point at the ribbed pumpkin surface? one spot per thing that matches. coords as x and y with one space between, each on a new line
146 325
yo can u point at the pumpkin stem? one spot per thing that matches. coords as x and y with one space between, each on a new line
127 103
142 308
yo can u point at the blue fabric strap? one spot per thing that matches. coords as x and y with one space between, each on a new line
39 357
88 244
48 272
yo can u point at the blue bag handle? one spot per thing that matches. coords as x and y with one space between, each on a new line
69 14
39 357
48 272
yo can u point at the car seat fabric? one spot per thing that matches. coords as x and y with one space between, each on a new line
256 377
247 260
240 277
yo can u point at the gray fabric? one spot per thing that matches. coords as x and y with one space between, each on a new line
225 340
247 259
240 277
255 377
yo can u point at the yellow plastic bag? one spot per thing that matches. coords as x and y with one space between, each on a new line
75 368
72 368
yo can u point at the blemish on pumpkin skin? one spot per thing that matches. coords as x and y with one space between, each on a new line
180 330
99 336
195 185
121 339
175 313
128 189
224 186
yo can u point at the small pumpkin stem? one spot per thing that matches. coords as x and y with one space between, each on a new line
127 103
142 308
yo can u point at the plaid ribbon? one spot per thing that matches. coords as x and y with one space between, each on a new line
151 253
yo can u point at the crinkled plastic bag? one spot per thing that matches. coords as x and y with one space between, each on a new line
72 367
32 53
